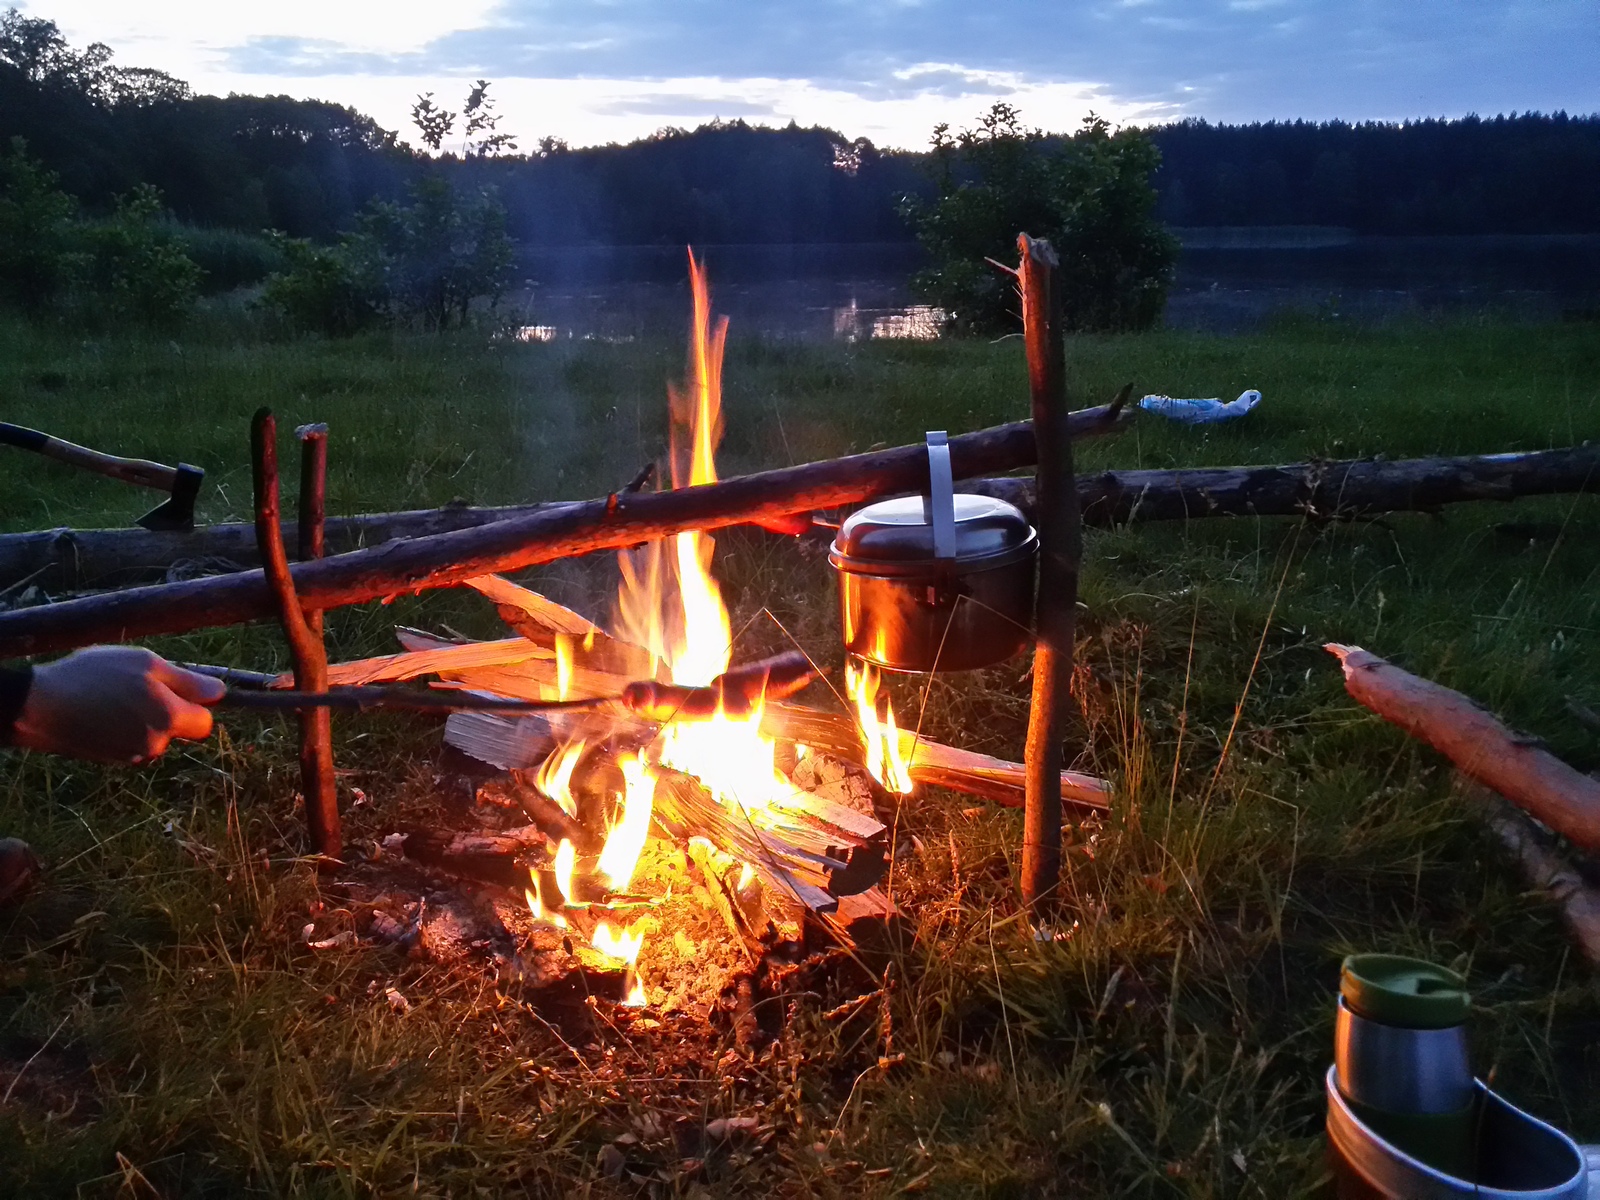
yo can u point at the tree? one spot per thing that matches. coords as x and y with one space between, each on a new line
38 256
481 136
425 261
434 256
1090 194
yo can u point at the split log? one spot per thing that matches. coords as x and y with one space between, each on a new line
76 559
1547 871
1060 551
445 559
1511 764
503 859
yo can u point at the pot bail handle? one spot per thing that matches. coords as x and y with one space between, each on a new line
941 495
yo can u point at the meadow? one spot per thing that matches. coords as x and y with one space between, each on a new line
163 1032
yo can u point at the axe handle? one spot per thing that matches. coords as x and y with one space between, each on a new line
129 470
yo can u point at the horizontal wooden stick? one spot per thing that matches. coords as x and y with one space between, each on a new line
445 559
1478 744
69 559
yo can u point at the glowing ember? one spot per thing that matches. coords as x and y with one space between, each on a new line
885 758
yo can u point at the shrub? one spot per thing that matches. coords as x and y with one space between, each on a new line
230 258
137 265
322 290
1089 194
438 254
39 257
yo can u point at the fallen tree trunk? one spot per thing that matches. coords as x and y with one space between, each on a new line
1547 870
564 531
1325 490
1478 744
70 559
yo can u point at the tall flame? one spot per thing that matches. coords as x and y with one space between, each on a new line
672 604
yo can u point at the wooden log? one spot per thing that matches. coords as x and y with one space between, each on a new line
74 559
445 559
1342 490
1547 871
1479 745
1060 550
305 646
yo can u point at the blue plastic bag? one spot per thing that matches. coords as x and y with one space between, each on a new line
1201 412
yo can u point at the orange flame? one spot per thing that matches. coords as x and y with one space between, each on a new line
620 855
625 946
885 758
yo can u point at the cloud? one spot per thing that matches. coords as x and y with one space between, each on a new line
674 104
878 64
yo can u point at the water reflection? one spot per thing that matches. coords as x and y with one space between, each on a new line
918 322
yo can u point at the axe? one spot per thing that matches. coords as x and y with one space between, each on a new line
182 482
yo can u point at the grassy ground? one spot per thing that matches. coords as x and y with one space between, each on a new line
162 1032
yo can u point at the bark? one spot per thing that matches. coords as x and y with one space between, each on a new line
70 559
1060 550
565 531
1509 763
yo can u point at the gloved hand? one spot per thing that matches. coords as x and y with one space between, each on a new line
114 704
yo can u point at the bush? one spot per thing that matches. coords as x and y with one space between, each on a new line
322 290
39 256
136 264
1089 194
436 255
230 258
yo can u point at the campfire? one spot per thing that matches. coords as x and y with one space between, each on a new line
703 778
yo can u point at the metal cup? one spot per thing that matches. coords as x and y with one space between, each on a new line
1396 1070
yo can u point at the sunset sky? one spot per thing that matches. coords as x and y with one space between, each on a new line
611 70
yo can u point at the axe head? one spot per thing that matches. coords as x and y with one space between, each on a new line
176 512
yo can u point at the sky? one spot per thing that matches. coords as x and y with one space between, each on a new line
595 71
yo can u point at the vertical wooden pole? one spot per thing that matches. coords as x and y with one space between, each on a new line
305 648
311 514
1060 549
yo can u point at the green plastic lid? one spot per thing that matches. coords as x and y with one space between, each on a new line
1410 993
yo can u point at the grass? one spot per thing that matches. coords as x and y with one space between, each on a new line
179 1040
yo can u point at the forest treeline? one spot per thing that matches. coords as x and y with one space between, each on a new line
309 168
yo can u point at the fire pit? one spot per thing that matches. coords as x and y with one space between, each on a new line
646 850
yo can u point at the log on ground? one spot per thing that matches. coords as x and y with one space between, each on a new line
74 559
567 531
1480 746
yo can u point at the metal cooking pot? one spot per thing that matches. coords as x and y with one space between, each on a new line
942 582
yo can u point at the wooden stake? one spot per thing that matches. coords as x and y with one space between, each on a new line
305 646
1060 549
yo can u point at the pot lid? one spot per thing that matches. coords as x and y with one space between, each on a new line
892 536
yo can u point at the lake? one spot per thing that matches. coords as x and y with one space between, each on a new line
1228 280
